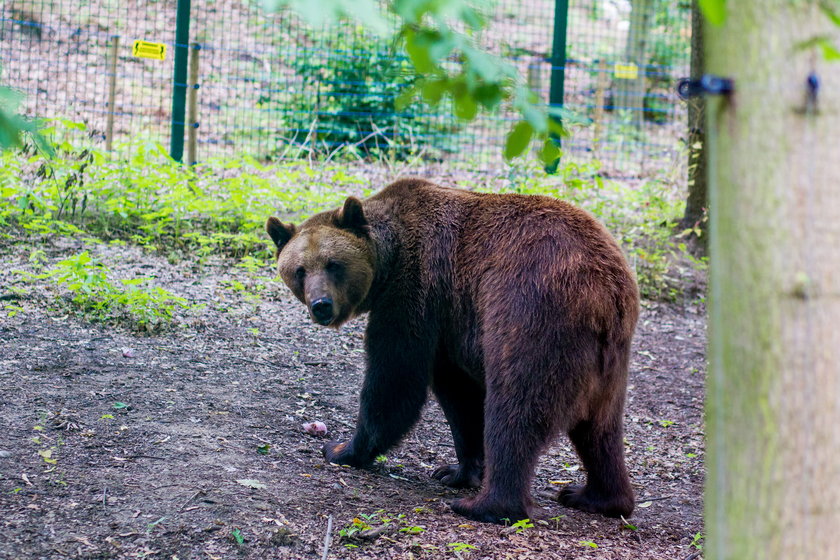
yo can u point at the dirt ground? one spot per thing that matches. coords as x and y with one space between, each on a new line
188 443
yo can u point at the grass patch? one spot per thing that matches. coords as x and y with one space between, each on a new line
218 208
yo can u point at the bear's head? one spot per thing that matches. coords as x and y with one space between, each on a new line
327 261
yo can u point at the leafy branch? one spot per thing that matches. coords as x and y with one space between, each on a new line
440 40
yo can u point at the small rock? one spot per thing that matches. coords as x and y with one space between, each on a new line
5 454
128 352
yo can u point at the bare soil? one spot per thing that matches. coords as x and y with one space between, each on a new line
115 444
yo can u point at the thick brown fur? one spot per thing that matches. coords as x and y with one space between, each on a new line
517 311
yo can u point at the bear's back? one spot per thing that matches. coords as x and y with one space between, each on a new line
515 249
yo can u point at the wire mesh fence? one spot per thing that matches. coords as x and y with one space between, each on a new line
272 87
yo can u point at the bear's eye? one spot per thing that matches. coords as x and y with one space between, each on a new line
300 273
334 266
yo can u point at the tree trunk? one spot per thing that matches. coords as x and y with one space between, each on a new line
631 92
773 400
696 202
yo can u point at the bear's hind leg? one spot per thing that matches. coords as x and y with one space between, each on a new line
462 401
607 490
514 437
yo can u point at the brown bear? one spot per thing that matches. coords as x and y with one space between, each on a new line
517 311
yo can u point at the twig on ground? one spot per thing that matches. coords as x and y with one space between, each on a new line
200 492
327 538
656 499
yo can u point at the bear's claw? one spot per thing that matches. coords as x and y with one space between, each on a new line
577 497
457 476
484 510
341 453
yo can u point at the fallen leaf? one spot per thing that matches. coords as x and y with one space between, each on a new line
46 455
251 483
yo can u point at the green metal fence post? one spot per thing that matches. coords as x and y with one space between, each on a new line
179 85
558 64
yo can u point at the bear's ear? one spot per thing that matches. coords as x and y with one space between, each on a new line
280 233
352 217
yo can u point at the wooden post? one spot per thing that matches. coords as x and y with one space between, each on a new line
535 76
192 105
630 94
773 388
112 92
602 81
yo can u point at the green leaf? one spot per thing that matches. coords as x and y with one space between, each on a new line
433 90
405 98
489 95
830 52
418 53
822 42
518 139
714 10
833 12
536 117
550 152
319 13
466 108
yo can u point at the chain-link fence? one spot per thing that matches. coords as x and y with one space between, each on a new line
271 87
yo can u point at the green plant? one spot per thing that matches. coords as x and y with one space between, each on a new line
144 197
355 526
521 525
460 546
697 541
590 544
357 79
86 278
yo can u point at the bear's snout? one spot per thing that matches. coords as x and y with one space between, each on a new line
322 311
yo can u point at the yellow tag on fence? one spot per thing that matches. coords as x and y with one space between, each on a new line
628 71
145 49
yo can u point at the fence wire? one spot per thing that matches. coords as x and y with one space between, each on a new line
271 87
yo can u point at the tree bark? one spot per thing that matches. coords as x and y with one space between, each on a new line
773 394
696 202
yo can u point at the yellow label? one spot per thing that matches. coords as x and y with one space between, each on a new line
628 71
145 49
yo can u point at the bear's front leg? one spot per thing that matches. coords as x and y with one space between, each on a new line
394 390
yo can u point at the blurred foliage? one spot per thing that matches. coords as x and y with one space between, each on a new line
435 34
14 126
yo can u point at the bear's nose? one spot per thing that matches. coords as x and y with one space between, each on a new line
322 310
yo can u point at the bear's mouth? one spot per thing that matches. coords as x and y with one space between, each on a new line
324 322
